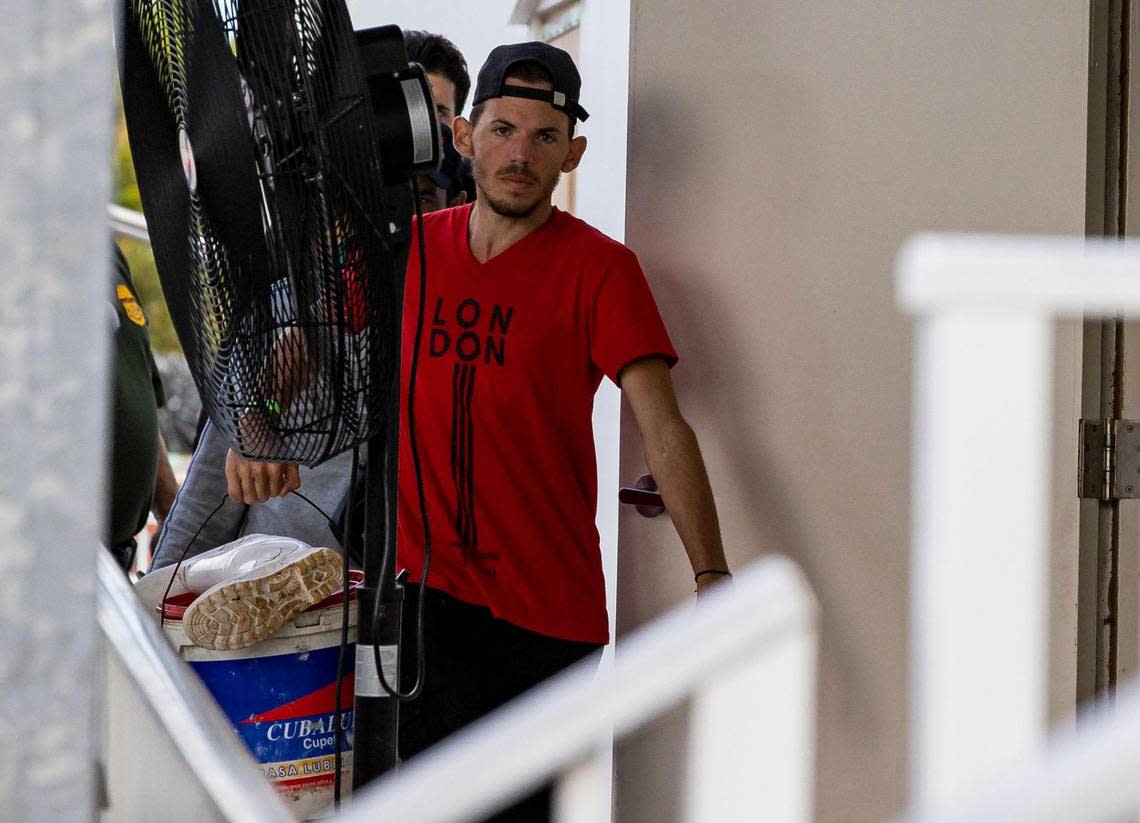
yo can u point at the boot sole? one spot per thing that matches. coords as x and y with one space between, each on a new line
239 614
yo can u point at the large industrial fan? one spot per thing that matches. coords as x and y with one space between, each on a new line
279 235
273 150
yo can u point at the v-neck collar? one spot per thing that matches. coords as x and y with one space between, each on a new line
523 241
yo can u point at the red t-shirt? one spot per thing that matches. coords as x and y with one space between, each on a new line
512 354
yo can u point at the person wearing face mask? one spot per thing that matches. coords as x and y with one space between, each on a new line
446 71
443 189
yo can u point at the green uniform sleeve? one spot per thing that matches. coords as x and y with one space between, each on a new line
155 377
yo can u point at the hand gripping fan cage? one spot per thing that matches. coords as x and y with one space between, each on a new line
279 243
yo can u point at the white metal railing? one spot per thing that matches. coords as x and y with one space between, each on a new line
746 655
1085 775
188 727
128 222
985 309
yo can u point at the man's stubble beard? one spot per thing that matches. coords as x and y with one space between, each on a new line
506 208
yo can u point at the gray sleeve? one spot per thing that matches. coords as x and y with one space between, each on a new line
203 489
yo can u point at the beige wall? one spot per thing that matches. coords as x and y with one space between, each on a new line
779 153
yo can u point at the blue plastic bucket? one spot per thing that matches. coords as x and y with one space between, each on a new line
280 697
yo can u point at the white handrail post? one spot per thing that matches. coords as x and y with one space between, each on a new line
751 740
980 542
584 793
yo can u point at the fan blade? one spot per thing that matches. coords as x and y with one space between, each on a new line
265 41
153 136
222 146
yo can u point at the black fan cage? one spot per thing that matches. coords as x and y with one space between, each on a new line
278 248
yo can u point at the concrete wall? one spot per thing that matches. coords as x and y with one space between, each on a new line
779 153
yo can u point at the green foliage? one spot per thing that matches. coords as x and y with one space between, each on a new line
138 254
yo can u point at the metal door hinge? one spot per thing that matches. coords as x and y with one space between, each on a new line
1108 467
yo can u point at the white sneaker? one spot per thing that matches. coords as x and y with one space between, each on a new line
252 587
201 571
237 557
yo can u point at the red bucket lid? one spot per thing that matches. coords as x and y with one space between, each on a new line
176 605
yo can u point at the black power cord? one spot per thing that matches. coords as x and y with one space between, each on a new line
182 557
339 753
414 692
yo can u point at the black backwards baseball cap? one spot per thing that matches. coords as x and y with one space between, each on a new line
567 82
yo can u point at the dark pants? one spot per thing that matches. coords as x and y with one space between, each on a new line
475 663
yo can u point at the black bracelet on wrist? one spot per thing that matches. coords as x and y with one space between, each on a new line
725 572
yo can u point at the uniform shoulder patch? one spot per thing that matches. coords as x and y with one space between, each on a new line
130 305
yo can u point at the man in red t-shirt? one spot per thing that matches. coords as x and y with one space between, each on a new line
526 309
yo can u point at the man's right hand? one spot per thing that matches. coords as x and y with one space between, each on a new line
255 481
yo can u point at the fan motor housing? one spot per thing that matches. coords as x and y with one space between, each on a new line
402 104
